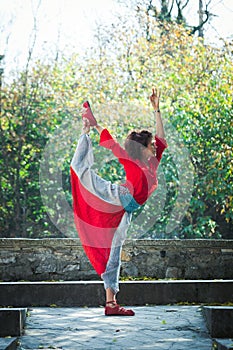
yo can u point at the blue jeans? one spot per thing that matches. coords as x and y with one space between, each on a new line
112 272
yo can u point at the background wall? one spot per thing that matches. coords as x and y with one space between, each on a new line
64 259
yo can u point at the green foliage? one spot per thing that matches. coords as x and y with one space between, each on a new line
196 84
31 111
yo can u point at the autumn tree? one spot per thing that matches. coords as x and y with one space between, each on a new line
169 11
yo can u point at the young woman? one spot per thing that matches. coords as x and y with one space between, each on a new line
102 210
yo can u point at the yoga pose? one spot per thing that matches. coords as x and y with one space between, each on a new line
103 210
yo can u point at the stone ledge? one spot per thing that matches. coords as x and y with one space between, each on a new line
12 321
64 259
170 243
91 293
219 320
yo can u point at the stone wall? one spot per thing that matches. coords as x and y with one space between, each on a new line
64 259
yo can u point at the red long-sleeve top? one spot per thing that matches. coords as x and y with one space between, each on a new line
141 178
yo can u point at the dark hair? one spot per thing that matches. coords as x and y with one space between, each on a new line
136 142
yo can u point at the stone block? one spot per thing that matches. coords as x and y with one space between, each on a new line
219 320
173 272
8 343
12 321
223 344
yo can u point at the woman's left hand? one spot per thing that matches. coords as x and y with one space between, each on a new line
154 98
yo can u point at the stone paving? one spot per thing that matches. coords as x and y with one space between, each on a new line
172 327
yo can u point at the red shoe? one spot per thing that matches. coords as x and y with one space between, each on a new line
88 114
117 310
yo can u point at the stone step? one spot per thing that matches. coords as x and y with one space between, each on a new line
8 343
91 293
219 320
223 344
12 321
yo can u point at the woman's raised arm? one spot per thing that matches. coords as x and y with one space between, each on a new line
154 98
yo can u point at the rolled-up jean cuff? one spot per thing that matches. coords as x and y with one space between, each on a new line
127 200
114 288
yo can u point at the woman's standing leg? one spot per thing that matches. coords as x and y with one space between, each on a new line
112 272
